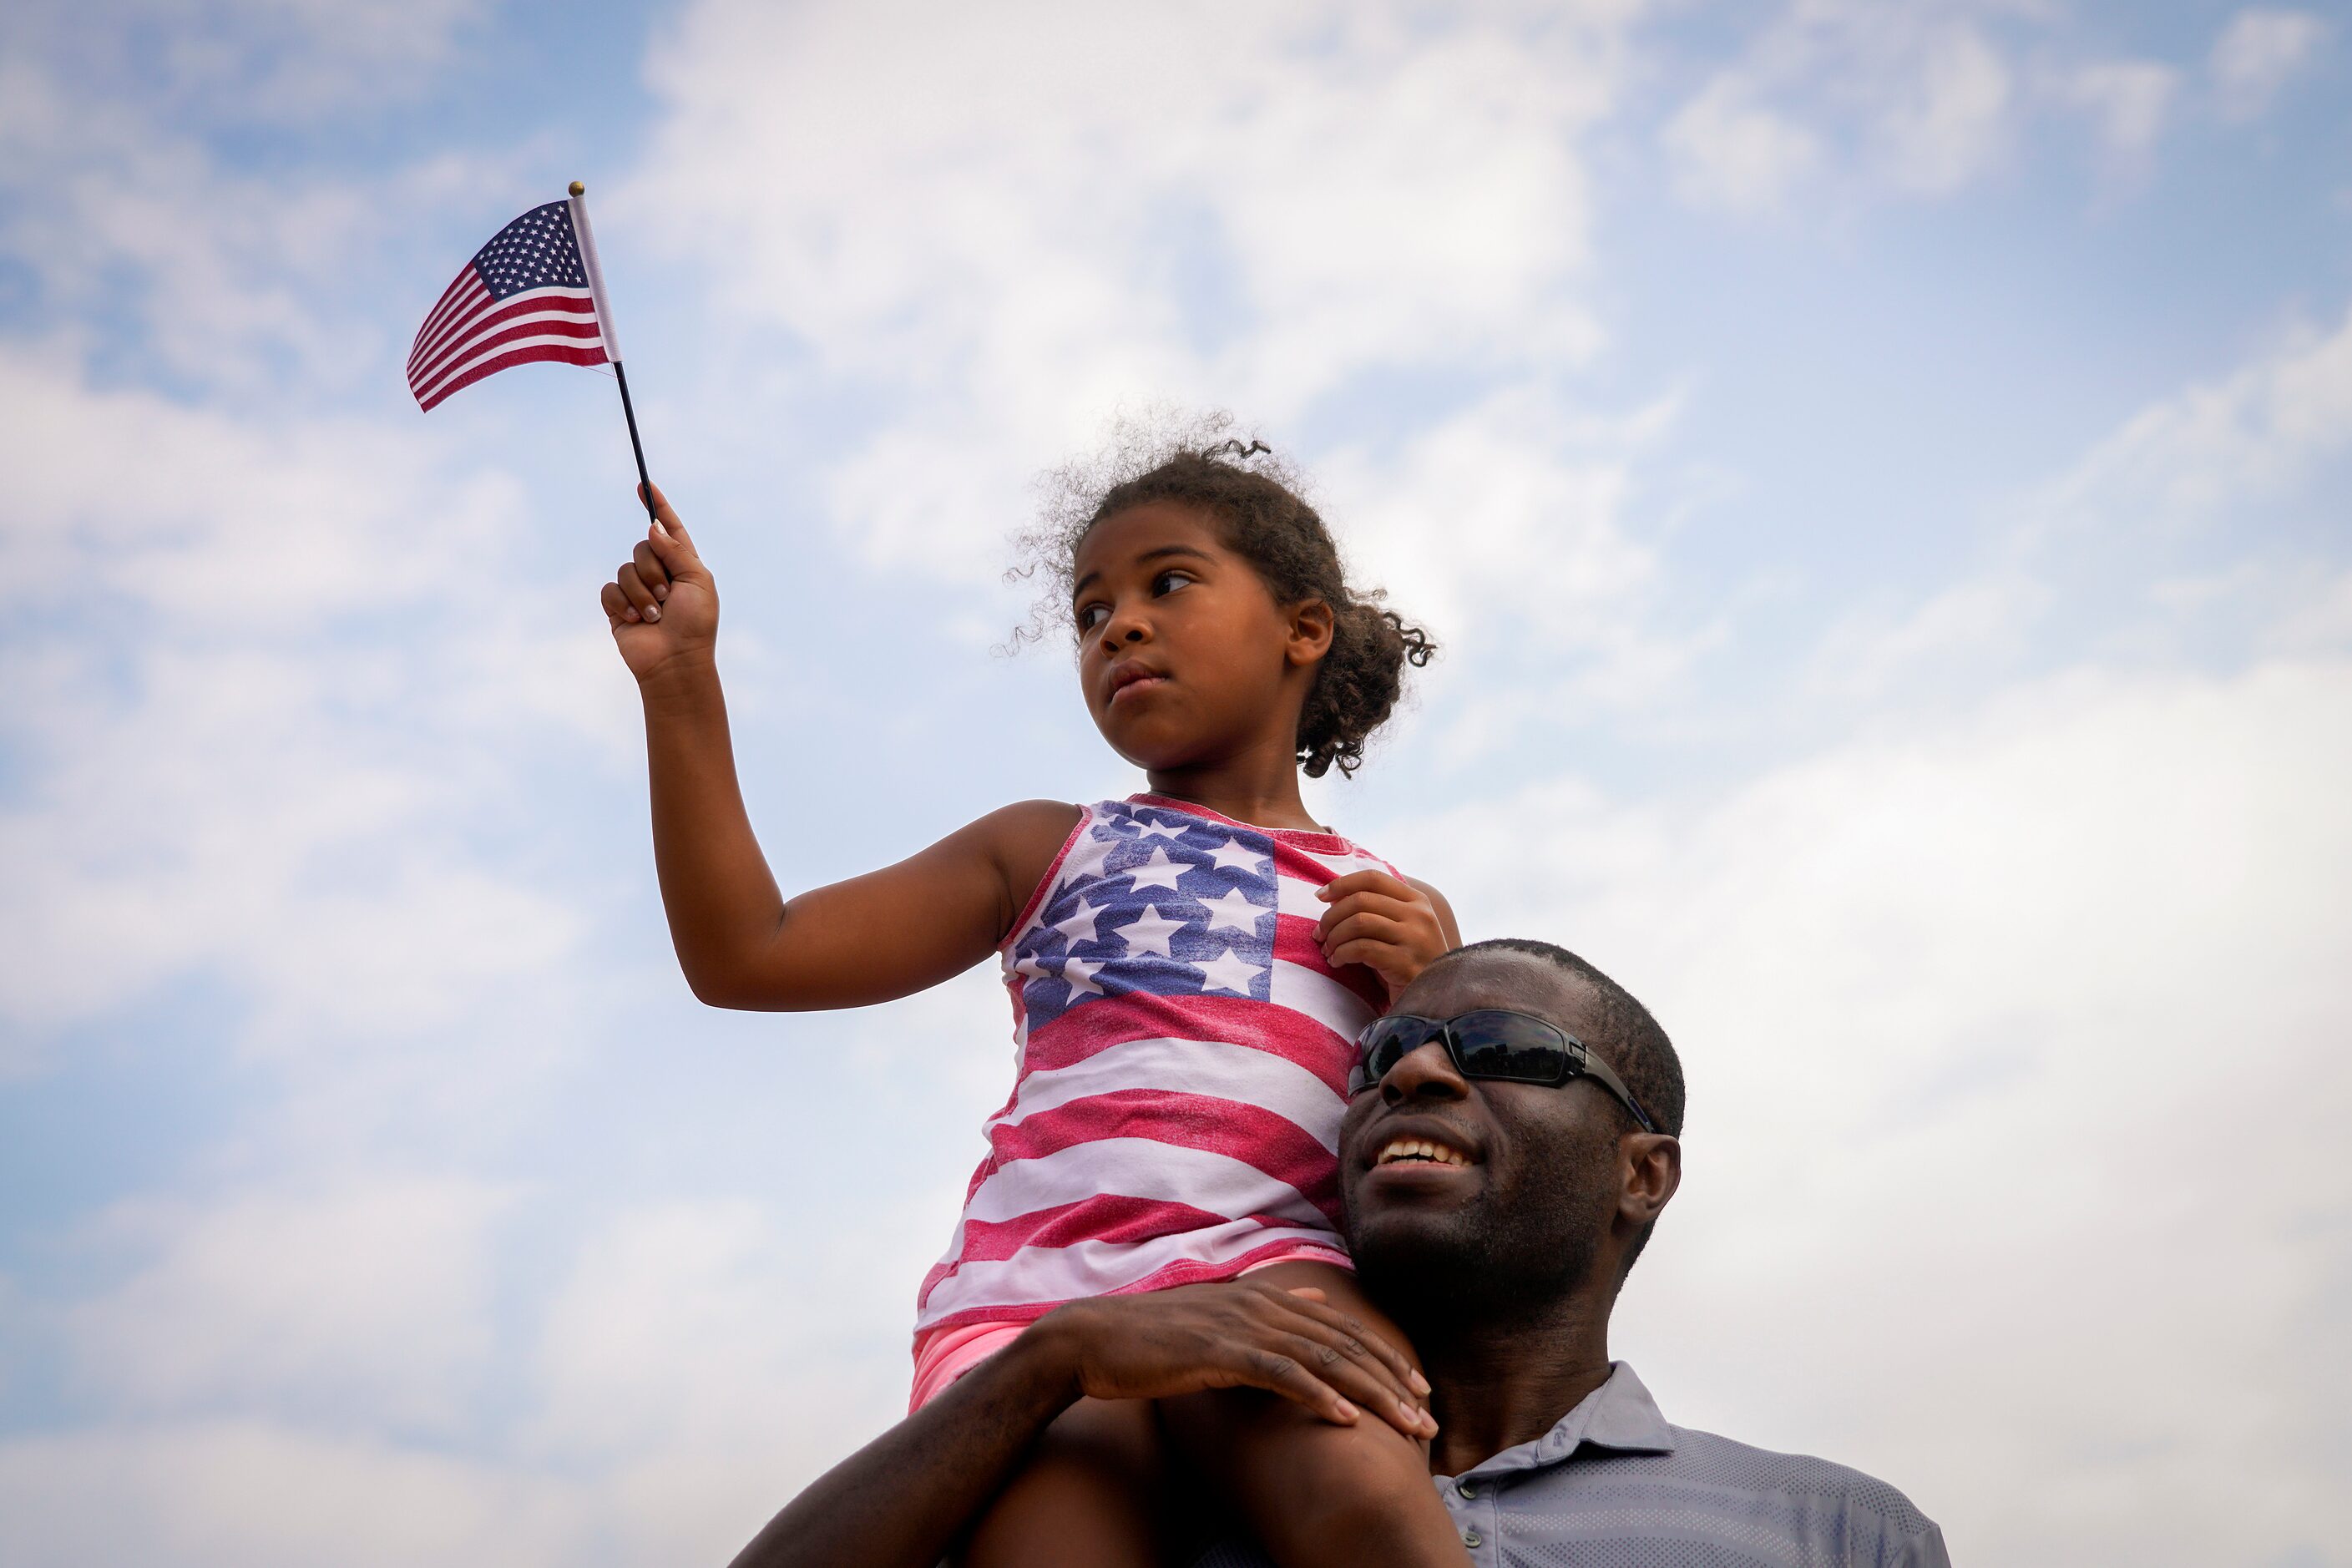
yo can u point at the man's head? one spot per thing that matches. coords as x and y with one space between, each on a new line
1555 1189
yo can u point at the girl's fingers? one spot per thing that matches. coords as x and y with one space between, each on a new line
666 515
674 551
1364 926
616 606
1359 903
1338 887
649 570
1373 953
634 589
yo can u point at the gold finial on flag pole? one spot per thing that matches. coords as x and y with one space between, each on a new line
578 189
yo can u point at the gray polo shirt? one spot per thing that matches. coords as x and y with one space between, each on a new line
1613 1486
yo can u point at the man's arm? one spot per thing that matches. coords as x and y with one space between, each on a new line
902 1500
905 1497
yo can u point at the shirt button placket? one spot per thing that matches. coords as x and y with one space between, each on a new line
1476 1514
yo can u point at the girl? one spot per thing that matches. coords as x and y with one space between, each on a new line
1188 969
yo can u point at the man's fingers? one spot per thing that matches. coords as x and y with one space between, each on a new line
650 571
1279 1373
617 604
1344 1365
1384 1377
1362 1333
1376 1374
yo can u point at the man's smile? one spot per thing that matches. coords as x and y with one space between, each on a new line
1427 1150
1414 1153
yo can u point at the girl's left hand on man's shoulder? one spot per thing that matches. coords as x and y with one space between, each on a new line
1383 923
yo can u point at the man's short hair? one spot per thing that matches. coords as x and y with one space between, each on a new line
1635 1042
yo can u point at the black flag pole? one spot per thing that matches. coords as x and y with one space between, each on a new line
587 238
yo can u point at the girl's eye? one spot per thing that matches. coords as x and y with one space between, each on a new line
1093 616
1167 581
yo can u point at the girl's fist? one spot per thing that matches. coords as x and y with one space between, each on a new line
662 603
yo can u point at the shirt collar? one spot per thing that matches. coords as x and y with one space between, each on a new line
1619 1416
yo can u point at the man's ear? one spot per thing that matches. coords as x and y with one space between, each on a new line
1311 625
1654 1170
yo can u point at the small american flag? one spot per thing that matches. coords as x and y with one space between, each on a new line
527 295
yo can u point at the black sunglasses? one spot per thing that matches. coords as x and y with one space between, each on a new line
1489 1043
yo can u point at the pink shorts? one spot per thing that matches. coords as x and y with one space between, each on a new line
943 1355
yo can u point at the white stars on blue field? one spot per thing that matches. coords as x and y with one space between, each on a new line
1157 903
537 250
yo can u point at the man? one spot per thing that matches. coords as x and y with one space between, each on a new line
1499 1175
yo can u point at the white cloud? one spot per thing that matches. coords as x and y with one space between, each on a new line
2127 100
2253 434
1505 526
2259 53
1731 151
710 1358
273 61
1947 122
1987 1021
205 730
1235 206
1919 100
265 283
369 1299
1972 628
264 1494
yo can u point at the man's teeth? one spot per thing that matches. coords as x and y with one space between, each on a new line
1421 1148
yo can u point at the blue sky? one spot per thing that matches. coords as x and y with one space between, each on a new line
1878 471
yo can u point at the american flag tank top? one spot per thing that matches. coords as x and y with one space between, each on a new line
1181 1052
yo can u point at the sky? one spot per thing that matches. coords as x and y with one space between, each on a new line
1877 472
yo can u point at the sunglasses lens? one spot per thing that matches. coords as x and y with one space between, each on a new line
1507 1046
1388 1042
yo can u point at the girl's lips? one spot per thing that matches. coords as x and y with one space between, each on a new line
1126 685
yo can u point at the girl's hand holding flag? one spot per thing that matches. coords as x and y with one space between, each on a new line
536 291
662 604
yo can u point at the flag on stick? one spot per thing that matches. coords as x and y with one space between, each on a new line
524 297
536 291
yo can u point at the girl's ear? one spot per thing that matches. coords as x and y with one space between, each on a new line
1310 632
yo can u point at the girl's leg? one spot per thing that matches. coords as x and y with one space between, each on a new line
1090 1495
1316 1495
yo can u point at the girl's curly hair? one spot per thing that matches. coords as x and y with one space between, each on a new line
1254 498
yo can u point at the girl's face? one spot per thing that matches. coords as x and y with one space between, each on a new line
1184 657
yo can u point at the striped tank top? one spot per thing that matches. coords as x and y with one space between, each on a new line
1182 1055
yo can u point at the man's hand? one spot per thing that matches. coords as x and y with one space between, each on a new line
662 602
1385 923
1236 1335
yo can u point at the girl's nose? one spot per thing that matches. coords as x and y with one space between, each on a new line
1122 628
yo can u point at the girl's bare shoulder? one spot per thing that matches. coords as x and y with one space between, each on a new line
1023 841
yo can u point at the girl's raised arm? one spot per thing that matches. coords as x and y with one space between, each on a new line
742 944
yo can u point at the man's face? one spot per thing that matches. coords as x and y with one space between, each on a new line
1527 1192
